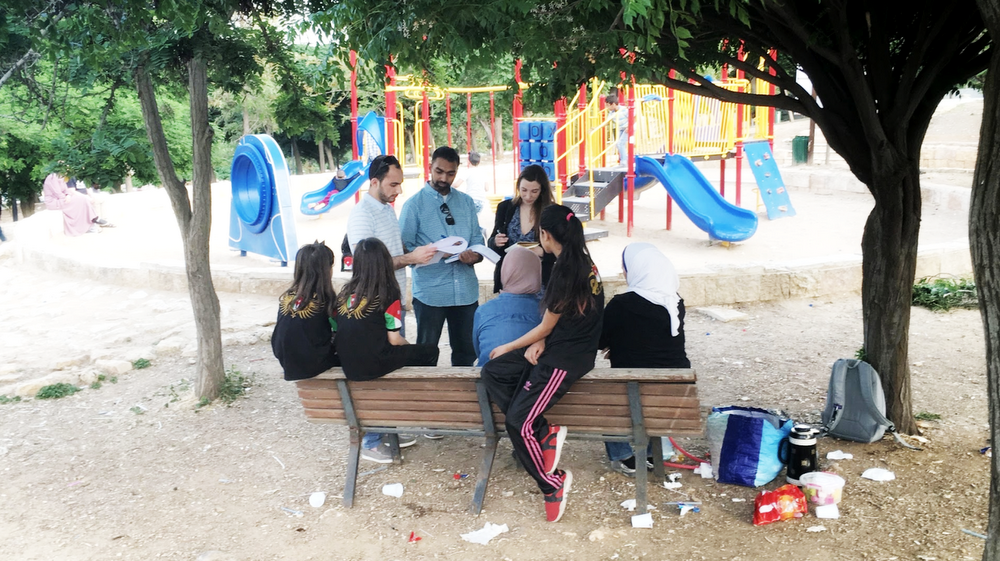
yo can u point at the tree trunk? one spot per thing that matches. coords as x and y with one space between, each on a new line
984 239
329 156
27 205
194 220
322 156
211 369
889 245
246 121
296 157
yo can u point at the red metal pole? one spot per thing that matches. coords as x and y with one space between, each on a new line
390 111
739 136
581 106
354 104
426 108
670 145
447 113
468 122
770 122
722 177
518 111
630 174
561 172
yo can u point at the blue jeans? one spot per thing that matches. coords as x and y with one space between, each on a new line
430 323
618 451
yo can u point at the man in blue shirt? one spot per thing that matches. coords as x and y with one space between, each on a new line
444 291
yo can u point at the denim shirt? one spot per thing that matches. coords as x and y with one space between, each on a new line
502 320
422 222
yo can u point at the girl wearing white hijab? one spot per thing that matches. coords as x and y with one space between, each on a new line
644 326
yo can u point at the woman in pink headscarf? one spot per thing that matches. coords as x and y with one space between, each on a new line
516 311
79 216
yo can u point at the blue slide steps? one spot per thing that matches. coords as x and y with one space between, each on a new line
769 183
698 199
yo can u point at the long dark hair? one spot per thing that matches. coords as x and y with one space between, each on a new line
373 278
568 290
314 277
537 174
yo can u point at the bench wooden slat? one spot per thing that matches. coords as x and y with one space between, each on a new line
327 394
680 375
368 416
406 397
382 384
415 405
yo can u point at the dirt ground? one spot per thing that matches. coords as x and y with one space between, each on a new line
133 470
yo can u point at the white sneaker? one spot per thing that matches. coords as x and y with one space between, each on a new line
379 455
94 229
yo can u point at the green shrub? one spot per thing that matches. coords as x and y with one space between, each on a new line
55 391
941 294
4 400
140 363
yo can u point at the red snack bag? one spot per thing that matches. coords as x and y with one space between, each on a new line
783 503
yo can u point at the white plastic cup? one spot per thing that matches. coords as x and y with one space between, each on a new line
822 488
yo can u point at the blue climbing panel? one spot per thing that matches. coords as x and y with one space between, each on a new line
769 183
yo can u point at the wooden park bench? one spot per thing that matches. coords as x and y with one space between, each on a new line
608 404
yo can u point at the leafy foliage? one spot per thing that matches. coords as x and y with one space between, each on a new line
140 363
942 294
56 391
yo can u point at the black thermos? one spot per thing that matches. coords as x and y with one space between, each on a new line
802 456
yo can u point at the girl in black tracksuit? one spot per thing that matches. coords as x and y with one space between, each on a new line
527 376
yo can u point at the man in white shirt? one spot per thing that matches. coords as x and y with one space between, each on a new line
374 217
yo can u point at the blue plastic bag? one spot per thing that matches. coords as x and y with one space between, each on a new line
744 443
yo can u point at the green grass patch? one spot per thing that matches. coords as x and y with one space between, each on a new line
95 385
234 386
4 400
861 354
140 363
56 391
137 410
942 294
925 416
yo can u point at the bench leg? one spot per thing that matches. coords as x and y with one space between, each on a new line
489 454
640 477
351 479
658 470
394 448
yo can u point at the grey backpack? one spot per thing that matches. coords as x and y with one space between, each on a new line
855 403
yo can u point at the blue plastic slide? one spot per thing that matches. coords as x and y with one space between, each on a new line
698 198
340 190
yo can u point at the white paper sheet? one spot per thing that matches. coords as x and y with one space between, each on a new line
487 533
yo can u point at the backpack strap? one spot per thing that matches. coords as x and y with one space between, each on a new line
869 399
836 378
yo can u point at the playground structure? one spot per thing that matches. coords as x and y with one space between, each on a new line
260 219
581 154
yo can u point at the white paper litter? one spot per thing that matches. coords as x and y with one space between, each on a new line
393 490
317 499
816 529
828 512
739 500
878 474
705 470
642 521
630 505
839 455
672 485
487 533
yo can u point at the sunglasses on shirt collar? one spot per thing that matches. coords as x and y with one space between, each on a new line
448 218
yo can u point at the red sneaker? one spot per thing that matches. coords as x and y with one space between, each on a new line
552 446
555 503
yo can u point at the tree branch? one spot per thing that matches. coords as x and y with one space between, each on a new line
28 57
161 153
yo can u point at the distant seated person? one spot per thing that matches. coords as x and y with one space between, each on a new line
516 311
340 183
643 326
79 216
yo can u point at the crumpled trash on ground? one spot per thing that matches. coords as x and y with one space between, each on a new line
486 533
839 455
642 521
878 474
393 490
630 505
